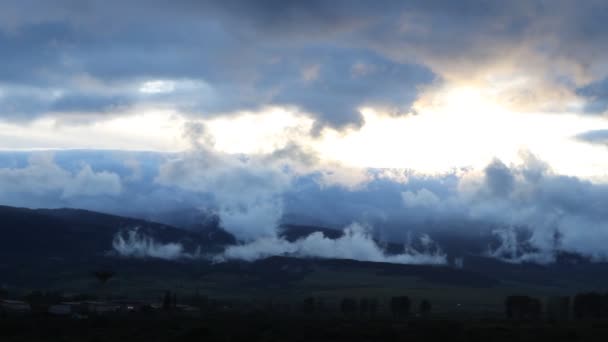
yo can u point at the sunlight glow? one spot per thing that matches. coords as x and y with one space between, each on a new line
463 128
157 86
263 132
145 130
453 128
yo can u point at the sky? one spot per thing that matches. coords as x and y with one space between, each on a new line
401 115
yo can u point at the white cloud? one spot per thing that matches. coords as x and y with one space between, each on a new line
38 177
42 176
90 183
246 191
137 245
356 244
532 212
421 198
157 87
142 128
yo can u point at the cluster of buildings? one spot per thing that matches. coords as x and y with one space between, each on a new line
81 309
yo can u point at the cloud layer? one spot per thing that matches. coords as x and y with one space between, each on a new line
327 58
42 176
516 212
145 68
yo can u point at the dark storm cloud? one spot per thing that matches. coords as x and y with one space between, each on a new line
325 57
237 64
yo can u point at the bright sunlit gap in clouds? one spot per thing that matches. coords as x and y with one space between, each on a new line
453 127
462 127
263 132
143 129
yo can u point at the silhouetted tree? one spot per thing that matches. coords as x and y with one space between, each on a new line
309 305
320 306
558 308
522 307
364 306
103 276
588 305
201 302
373 307
400 306
269 306
425 308
348 306
604 312
167 301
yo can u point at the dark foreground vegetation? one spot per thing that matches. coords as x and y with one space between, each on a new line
51 317
65 285
273 327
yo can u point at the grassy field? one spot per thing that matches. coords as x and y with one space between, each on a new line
328 284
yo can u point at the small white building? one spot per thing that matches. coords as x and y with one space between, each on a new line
101 307
130 305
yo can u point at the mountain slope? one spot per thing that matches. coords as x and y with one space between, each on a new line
64 233
60 248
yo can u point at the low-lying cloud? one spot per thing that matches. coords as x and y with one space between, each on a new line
532 212
42 176
529 212
512 248
134 244
356 244
248 190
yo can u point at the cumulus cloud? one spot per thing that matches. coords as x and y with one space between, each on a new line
556 213
421 198
134 244
247 194
76 69
90 183
328 58
518 212
248 190
356 243
42 176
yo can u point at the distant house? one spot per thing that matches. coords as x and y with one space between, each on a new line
14 306
101 307
130 305
82 308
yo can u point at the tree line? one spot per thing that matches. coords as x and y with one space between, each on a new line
586 305
399 306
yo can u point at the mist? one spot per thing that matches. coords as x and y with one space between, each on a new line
356 244
133 244
252 196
